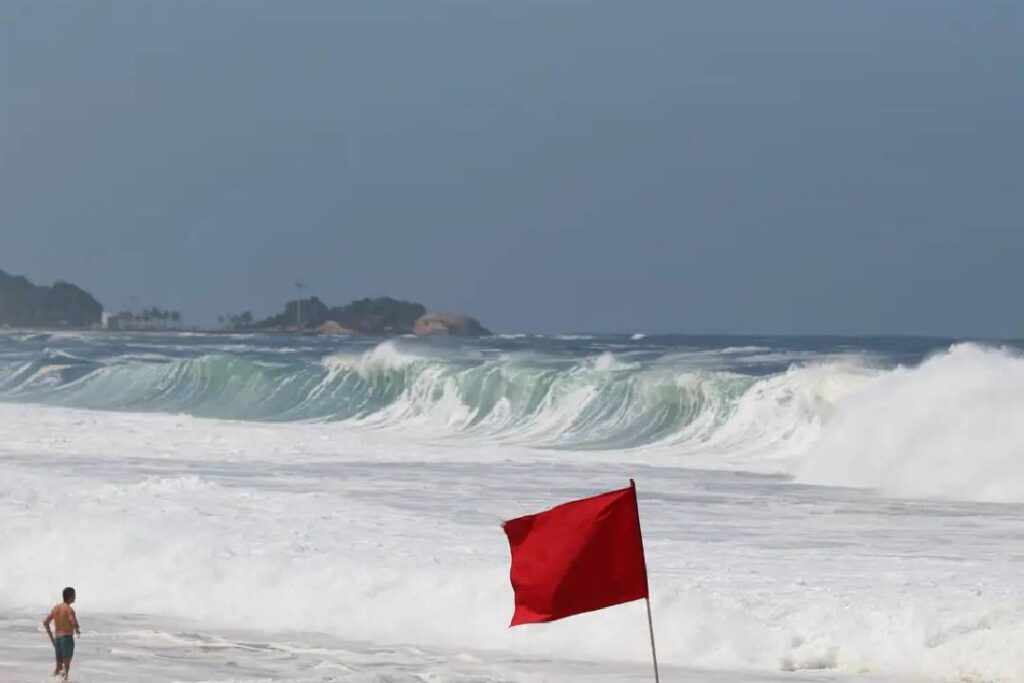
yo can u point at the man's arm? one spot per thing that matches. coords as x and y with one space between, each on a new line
46 625
74 617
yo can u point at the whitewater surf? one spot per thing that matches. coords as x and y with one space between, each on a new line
237 508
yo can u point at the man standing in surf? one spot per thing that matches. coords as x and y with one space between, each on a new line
65 623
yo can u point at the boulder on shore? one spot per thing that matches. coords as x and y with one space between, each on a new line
434 323
331 327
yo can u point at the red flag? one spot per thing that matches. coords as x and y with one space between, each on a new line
577 557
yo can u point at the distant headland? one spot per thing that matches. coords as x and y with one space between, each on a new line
23 304
67 306
380 316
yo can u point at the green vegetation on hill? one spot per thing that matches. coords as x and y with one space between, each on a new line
379 316
382 315
305 313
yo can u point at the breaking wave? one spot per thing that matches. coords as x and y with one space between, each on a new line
596 402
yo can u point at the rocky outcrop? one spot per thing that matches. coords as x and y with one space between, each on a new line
23 304
448 324
380 316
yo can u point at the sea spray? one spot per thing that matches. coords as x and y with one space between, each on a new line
952 427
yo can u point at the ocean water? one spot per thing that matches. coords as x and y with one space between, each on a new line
257 508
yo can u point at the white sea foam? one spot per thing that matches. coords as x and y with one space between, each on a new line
952 427
385 356
607 362
371 538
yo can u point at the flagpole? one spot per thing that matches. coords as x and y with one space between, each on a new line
647 600
650 626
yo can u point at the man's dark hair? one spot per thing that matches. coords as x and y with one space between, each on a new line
69 593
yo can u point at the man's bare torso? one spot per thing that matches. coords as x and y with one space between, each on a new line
64 619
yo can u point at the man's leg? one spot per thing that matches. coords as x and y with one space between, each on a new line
67 668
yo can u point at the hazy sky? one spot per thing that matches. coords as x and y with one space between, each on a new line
714 166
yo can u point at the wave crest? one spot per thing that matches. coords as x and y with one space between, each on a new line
597 402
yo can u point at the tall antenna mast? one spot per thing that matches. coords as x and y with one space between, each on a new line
299 285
